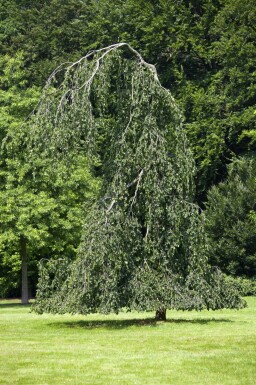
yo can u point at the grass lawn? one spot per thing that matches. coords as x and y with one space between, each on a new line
206 348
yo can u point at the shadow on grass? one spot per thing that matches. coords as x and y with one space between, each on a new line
122 324
11 305
15 302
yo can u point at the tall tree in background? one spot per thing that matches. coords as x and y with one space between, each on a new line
41 202
230 221
220 105
143 245
17 100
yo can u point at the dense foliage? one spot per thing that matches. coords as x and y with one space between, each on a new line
204 52
231 226
245 286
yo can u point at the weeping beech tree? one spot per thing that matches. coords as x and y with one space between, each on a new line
143 244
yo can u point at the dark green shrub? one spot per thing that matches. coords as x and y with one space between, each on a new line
245 286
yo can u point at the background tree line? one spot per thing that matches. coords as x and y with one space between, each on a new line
204 52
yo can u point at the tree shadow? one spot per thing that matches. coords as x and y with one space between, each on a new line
11 305
15 302
122 324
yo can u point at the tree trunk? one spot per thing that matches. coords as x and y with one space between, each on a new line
24 271
161 314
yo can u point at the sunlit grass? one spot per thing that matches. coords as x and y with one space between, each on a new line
215 348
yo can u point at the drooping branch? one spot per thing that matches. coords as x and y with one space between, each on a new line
136 189
84 61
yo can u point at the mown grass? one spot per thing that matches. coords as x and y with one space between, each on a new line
206 348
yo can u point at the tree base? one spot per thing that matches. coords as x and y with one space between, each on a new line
161 315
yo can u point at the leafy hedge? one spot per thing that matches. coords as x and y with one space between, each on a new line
245 286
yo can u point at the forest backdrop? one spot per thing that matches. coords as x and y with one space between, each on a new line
204 52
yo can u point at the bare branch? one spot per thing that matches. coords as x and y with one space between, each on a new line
137 188
111 206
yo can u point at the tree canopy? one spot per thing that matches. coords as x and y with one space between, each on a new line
143 241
